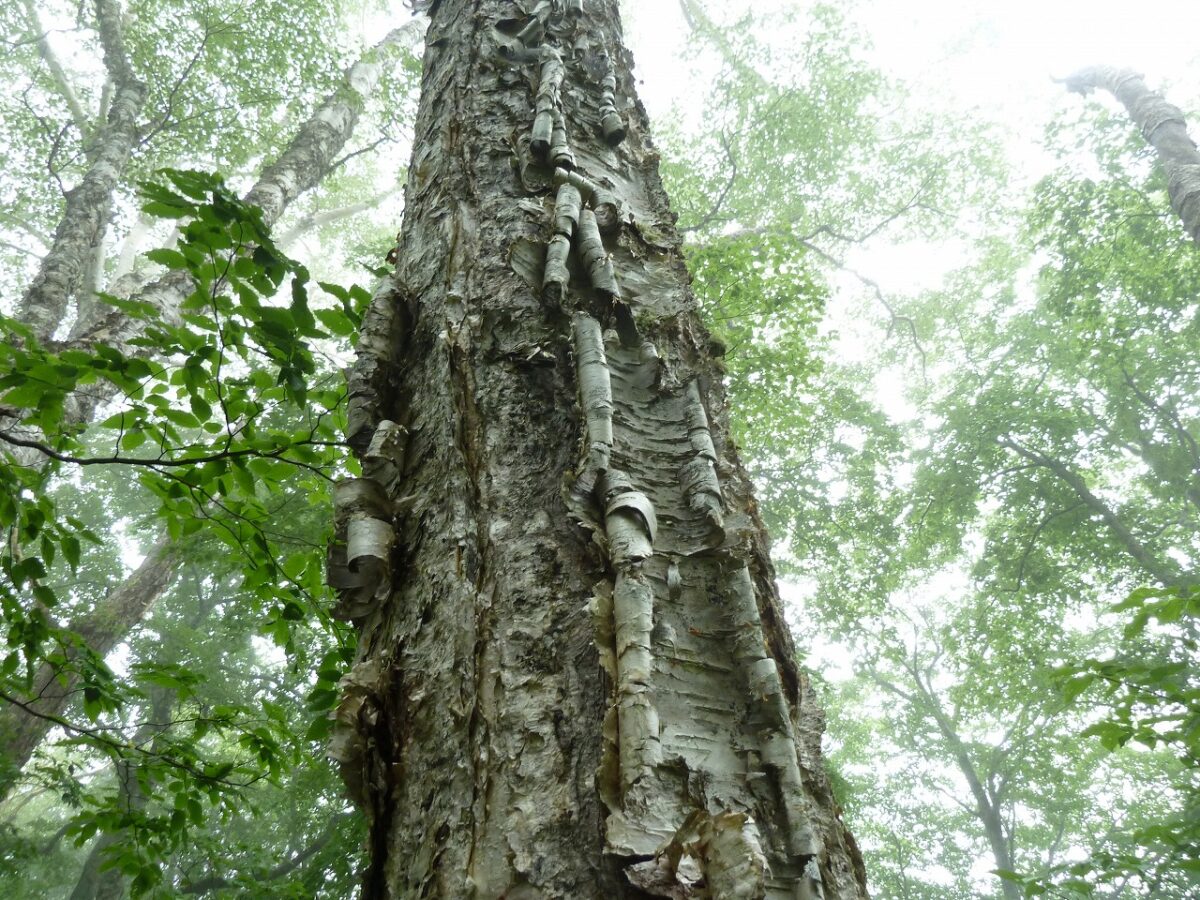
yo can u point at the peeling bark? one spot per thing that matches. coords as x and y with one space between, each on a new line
1163 125
574 679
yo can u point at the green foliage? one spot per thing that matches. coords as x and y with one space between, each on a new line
222 412
1051 469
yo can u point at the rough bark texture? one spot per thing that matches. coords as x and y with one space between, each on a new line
1163 126
22 728
574 678
89 203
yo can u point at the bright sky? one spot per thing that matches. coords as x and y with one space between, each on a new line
996 55
992 60
996 58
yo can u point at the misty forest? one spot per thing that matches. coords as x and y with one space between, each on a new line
542 449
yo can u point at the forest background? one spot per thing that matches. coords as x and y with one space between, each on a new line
959 319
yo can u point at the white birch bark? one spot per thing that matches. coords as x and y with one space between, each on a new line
302 165
88 204
1163 126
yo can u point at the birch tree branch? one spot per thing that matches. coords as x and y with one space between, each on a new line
1164 127
89 203
61 81
302 165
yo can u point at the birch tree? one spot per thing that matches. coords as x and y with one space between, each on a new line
573 677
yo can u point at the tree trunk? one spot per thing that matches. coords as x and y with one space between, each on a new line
89 203
96 882
306 160
1164 127
574 678
302 165
22 727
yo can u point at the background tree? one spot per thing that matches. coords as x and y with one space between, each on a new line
223 411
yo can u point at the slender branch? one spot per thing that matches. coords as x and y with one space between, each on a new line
325 217
58 74
712 214
1138 551
159 463
122 748
216 882
897 319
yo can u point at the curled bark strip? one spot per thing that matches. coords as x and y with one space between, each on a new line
633 614
384 459
636 502
567 206
698 475
543 130
612 126
725 848
697 424
534 31
629 518
585 187
360 562
354 722
595 391
556 277
560 151
382 332
595 258
778 743
732 857
607 209
547 103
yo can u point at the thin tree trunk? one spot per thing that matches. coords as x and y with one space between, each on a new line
1164 127
987 806
308 158
572 653
62 83
89 203
302 165
23 726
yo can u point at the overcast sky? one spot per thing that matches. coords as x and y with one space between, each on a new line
996 55
994 60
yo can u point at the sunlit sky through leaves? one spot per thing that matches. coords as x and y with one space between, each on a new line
994 62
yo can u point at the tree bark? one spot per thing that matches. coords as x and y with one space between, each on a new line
89 203
1164 127
22 727
574 677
